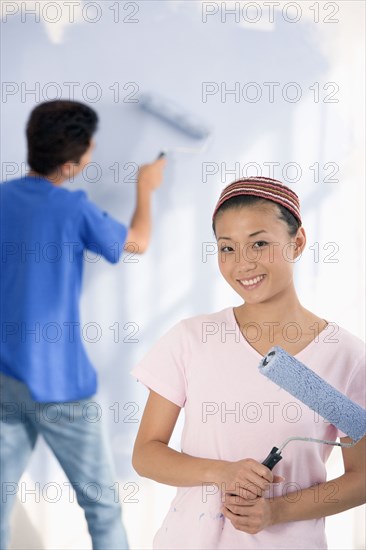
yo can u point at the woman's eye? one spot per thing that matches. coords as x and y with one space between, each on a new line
260 244
226 249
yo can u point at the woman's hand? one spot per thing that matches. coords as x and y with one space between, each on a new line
250 515
246 478
243 485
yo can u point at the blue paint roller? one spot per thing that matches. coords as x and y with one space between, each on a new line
309 388
171 113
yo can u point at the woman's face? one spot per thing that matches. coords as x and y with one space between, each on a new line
256 253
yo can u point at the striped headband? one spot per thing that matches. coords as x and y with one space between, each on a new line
266 188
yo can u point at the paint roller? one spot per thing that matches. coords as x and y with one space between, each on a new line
309 388
173 114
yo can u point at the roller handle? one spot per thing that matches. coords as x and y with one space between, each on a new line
272 459
161 155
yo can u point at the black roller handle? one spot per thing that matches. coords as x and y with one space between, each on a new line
272 459
161 155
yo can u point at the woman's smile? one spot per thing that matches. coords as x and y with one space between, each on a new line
251 283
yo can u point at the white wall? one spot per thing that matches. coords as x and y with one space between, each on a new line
169 49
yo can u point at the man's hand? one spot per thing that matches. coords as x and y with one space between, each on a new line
150 175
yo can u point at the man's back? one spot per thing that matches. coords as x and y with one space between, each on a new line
44 232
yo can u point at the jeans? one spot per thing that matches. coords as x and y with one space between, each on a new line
74 433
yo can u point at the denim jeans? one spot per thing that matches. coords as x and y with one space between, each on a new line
74 433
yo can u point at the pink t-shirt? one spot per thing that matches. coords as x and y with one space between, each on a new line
205 365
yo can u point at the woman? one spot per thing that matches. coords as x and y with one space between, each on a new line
233 416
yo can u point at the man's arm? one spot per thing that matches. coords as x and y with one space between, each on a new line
149 178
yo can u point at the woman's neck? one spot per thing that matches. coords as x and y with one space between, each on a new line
281 321
282 308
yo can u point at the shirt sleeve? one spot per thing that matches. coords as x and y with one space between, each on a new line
100 232
356 388
163 369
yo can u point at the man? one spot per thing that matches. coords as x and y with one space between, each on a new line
43 364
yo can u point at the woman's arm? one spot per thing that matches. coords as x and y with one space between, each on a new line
331 497
325 499
153 458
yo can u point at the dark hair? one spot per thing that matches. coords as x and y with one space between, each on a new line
247 200
57 132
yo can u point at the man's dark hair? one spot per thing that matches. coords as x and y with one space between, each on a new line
57 132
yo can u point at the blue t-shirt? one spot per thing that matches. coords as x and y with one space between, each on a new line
45 230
